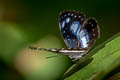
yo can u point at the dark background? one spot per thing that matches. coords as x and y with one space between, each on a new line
23 22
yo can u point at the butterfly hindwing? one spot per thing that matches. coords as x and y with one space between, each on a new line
91 29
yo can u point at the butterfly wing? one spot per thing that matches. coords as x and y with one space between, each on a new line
70 23
78 32
88 33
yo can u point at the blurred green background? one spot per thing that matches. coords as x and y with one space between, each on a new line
24 22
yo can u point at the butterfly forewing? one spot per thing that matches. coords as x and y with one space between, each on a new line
70 23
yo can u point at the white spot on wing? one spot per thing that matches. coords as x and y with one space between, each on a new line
68 36
94 35
67 20
92 25
89 22
82 19
74 26
65 15
84 38
79 16
93 30
84 42
63 24
71 14
75 16
68 14
63 31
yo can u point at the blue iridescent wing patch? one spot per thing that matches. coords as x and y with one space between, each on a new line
91 30
70 23
78 33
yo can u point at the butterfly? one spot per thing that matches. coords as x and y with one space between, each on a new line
79 34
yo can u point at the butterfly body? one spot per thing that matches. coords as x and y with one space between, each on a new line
74 54
79 34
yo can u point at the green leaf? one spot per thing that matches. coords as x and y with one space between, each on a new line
106 58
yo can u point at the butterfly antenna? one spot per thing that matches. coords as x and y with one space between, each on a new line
37 48
44 49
